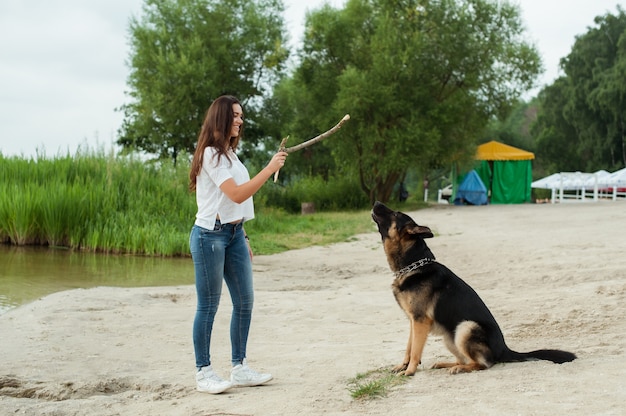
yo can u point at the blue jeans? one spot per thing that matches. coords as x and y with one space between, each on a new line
221 255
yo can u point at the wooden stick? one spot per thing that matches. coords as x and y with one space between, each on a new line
318 138
281 148
310 141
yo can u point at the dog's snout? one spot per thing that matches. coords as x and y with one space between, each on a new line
380 209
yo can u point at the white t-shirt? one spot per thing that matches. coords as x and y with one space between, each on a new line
210 198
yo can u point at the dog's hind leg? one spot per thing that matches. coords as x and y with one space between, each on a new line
448 340
471 349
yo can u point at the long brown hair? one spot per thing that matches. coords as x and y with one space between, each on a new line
215 132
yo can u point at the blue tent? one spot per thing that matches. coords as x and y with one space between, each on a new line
472 191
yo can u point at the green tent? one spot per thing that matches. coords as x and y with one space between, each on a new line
506 171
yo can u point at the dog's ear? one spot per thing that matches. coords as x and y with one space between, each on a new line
422 231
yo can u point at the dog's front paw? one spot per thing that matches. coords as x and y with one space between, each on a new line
411 369
400 368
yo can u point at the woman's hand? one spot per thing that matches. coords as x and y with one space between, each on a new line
277 162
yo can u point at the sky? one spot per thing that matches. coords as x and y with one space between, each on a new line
63 64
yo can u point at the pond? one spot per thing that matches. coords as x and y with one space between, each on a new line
29 273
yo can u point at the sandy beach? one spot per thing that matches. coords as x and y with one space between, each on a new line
554 276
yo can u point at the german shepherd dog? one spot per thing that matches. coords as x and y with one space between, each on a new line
437 301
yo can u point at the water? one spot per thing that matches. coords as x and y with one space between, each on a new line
29 273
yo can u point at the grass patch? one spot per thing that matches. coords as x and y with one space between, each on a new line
274 231
374 384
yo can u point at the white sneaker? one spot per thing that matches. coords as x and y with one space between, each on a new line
209 382
243 376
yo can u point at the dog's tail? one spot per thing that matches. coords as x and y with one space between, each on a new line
556 356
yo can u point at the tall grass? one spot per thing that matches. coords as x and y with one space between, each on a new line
96 202
114 204
19 209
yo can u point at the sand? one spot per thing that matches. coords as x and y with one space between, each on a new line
554 276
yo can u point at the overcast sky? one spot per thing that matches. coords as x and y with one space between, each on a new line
63 63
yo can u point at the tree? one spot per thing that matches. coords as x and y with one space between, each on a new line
298 117
184 54
582 124
514 130
420 79
553 133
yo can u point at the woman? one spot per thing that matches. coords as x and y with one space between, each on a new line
219 244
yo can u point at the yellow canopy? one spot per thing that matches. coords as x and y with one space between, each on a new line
499 151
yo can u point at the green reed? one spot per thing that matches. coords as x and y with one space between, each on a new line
115 204
96 202
19 210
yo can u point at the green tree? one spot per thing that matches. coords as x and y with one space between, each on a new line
297 113
420 79
582 124
554 135
185 53
514 130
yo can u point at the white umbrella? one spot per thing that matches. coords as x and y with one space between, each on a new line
598 178
549 182
617 179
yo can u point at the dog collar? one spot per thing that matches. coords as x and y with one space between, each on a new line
414 266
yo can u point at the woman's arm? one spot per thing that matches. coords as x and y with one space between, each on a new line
239 193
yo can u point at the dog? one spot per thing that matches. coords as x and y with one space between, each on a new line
437 301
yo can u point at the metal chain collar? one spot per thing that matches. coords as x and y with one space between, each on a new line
414 266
